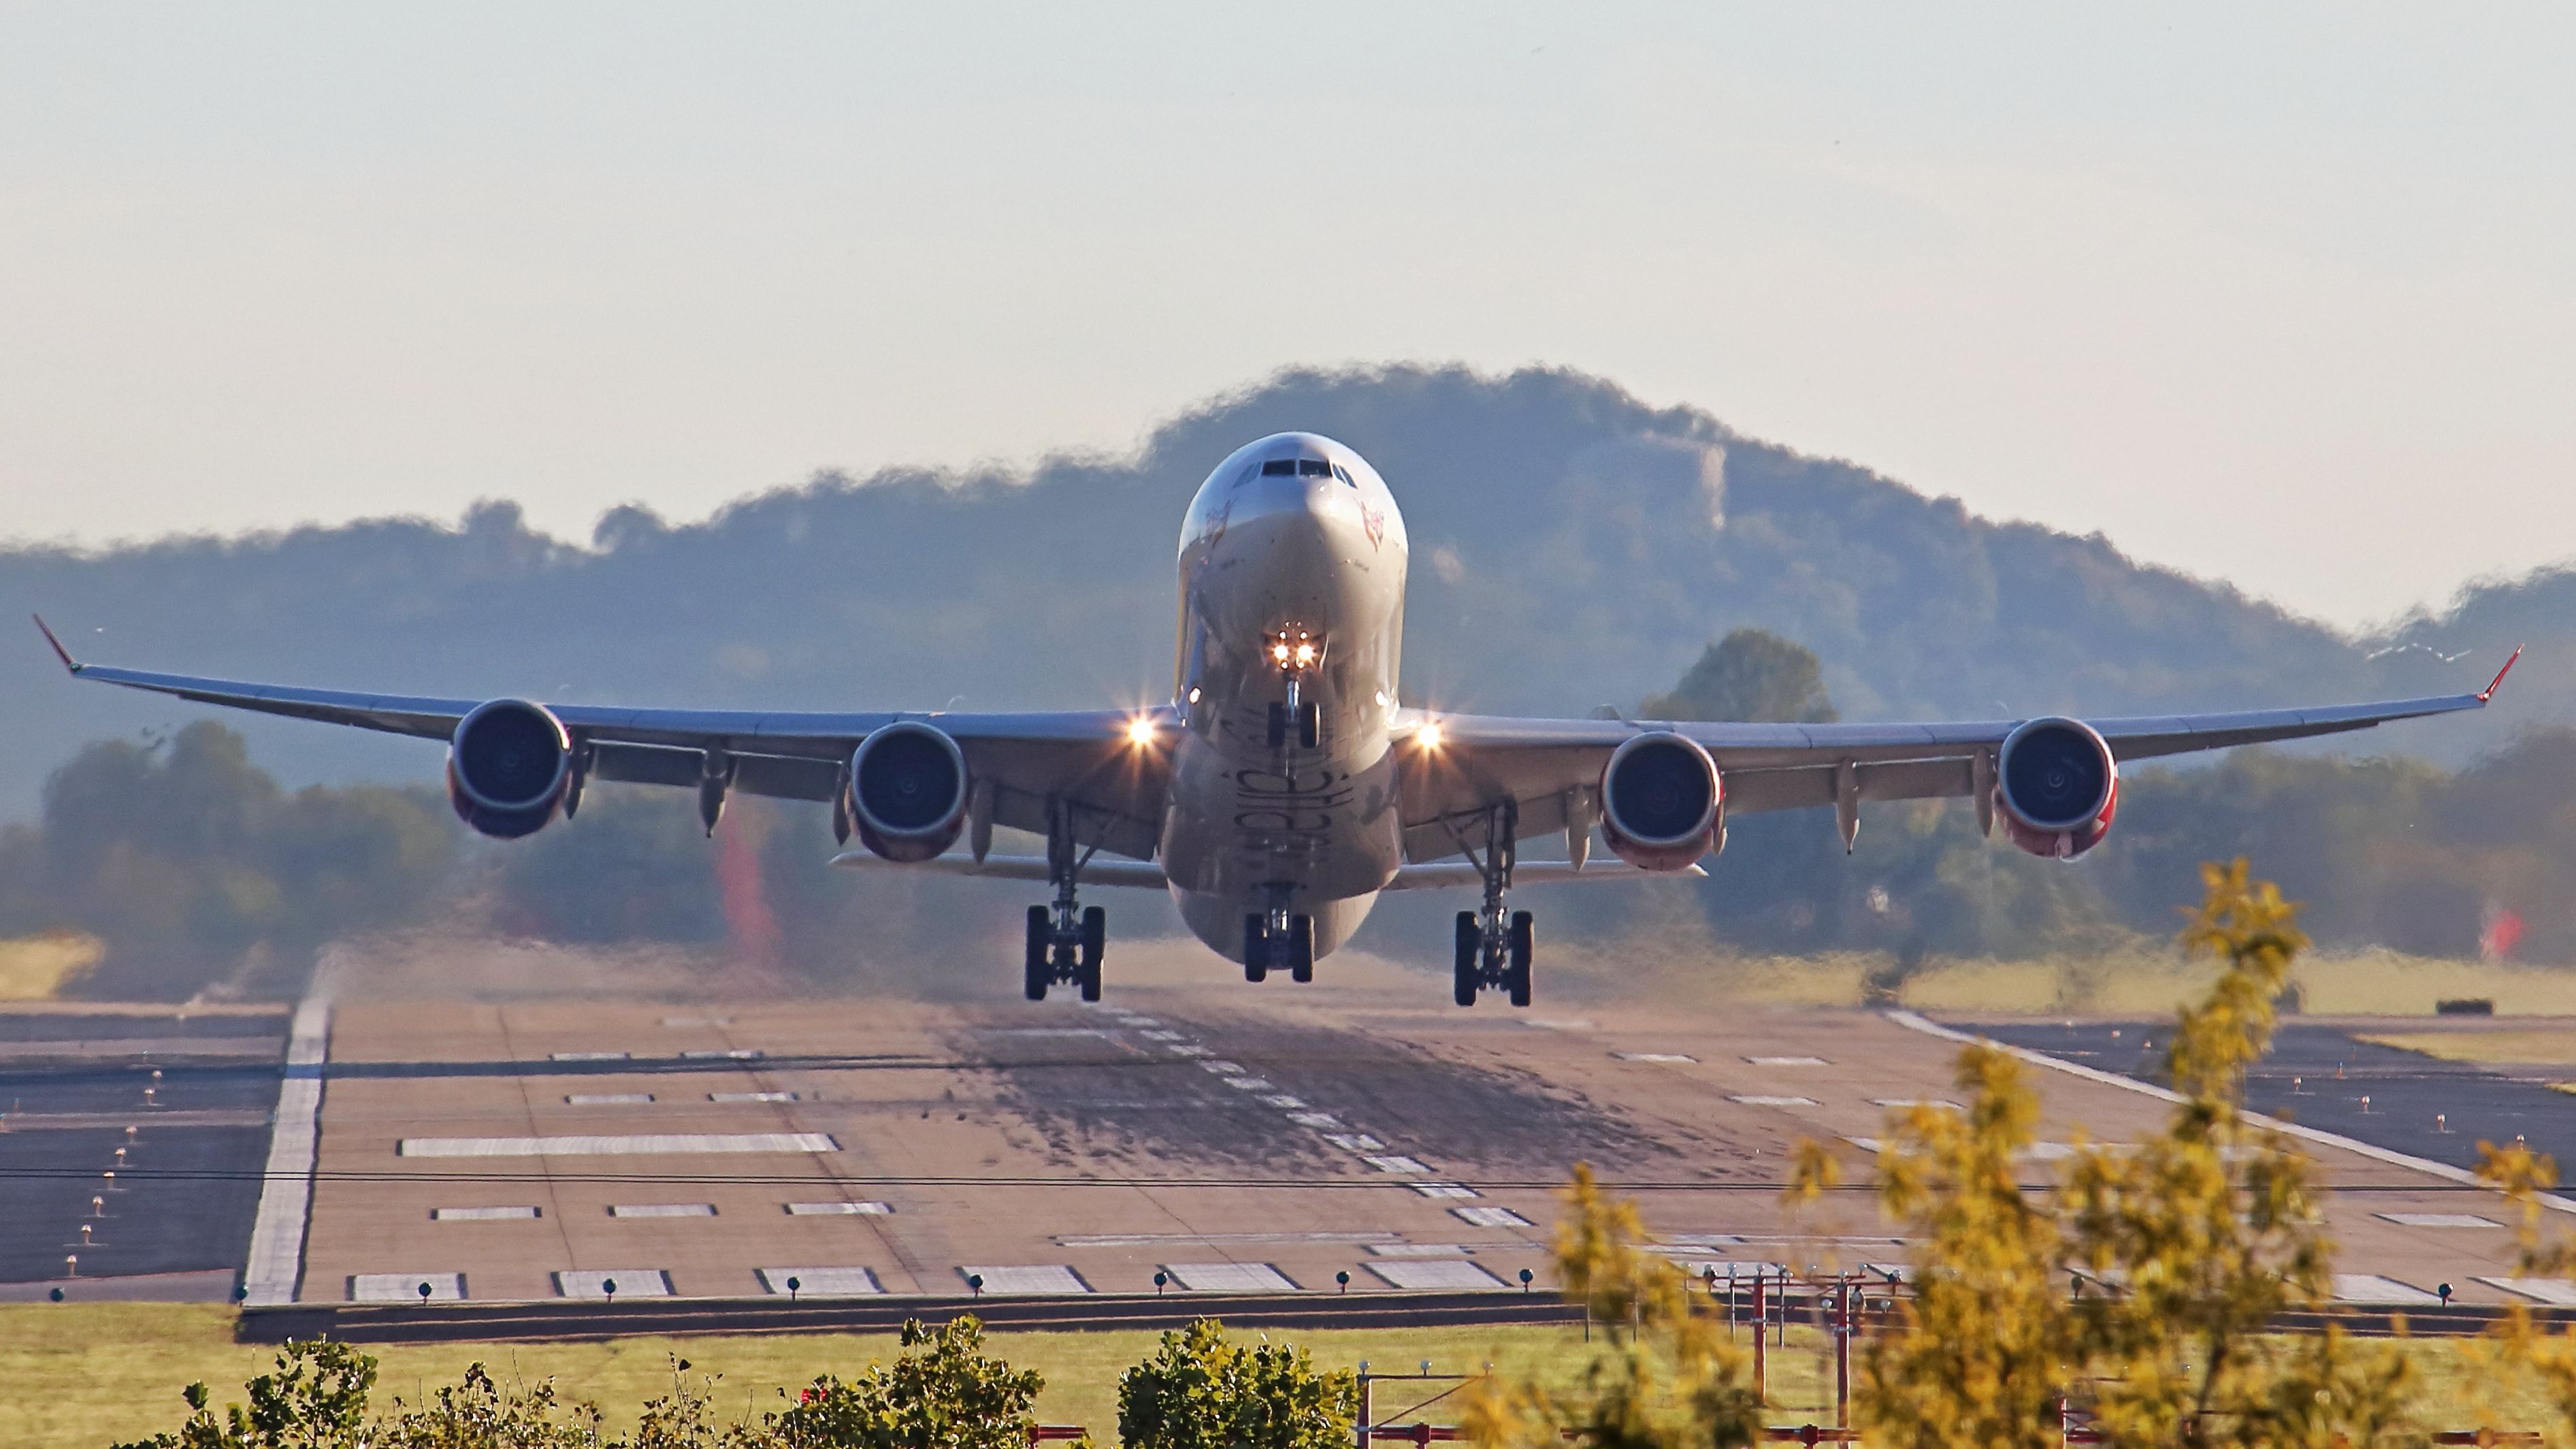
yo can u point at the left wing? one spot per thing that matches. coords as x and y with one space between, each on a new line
1550 770
1081 758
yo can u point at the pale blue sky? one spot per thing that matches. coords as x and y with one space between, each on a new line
2206 278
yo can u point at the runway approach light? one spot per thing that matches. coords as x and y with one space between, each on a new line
1427 737
1140 730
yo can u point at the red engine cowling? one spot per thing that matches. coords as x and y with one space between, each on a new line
2056 787
1662 803
908 791
507 767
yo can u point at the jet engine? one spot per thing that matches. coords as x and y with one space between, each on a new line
507 767
2056 787
1662 805
908 791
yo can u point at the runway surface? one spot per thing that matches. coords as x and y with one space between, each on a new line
1232 1138
175 1220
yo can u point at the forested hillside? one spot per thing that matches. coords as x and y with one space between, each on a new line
1573 547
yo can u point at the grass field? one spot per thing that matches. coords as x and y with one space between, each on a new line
2540 1048
87 1374
81 1376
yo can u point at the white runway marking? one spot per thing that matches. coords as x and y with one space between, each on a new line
482 1214
2438 1220
1354 1142
1148 1240
2374 1289
1756 1100
1416 1250
839 1210
1025 1279
1313 1119
754 1097
1247 1084
1188 1049
1787 1061
587 1057
1445 1189
1941 1103
405 1287
606 1099
631 1283
662 1210
1229 1278
276 1265
1395 1164
1222 1069
1490 1217
822 1282
1455 1273
1160 1035
2555 1291
1653 1057
734 1054
1284 1102
647 1144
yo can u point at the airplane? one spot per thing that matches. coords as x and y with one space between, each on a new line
1283 786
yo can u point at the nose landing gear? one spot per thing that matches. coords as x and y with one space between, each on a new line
1494 947
1279 942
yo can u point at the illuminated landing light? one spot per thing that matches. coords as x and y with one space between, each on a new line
1140 730
1305 655
1427 737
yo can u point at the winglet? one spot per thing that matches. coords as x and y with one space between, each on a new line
60 652
2488 693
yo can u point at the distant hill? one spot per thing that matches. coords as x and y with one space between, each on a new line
1573 546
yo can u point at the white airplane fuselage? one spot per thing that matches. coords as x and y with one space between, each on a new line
1256 823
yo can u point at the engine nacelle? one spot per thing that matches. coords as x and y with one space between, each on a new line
908 791
507 767
2056 787
1662 803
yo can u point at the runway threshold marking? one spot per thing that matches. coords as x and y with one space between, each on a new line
405 1287
1018 1280
822 1282
483 1214
276 1261
592 1283
638 1145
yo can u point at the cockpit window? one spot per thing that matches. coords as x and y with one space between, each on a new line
1279 468
1314 467
1340 473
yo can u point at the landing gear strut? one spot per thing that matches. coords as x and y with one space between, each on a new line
1279 941
1494 947
1065 941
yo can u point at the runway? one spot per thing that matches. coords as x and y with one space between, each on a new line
1233 1139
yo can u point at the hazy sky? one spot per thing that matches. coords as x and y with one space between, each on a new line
2278 293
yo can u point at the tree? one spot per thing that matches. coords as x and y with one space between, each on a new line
2194 1238
1750 675
1201 1390
317 1399
1676 1383
947 1395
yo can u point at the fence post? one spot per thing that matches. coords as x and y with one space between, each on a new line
1761 1363
1842 1351
1364 1405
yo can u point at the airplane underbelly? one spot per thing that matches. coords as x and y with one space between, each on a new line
1249 830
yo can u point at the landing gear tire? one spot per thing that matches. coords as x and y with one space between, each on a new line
1278 727
1095 938
1256 951
1471 946
1310 724
1036 973
1523 946
1301 949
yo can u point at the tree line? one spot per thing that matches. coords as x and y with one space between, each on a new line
198 872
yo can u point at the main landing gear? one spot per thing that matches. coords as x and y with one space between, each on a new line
1065 940
1494 947
1279 941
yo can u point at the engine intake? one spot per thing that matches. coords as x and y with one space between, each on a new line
507 767
1662 804
908 791
2056 787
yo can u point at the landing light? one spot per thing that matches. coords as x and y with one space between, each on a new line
1427 737
1140 730
1305 654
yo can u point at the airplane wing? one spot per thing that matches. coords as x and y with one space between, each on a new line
1550 770
1081 757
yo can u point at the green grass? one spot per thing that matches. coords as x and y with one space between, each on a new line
79 1376
87 1374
